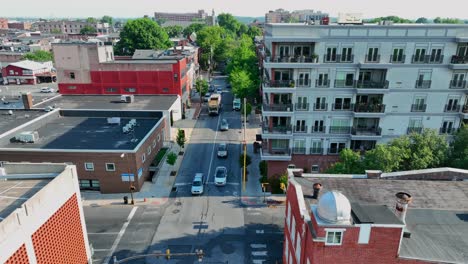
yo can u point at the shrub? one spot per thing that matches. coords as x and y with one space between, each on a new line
248 160
171 158
159 156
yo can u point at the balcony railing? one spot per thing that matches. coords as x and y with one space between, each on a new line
340 130
338 59
279 83
301 107
427 59
334 151
322 83
320 107
372 59
316 150
279 152
373 131
318 129
299 150
447 130
300 129
452 108
423 84
278 107
342 107
417 130
457 84
397 59
277 129
418 108
345 83
303 82
459 59
294 59
369 108
370 84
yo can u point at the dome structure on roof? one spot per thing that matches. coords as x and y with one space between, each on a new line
334 207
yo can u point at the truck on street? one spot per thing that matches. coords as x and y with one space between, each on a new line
214 104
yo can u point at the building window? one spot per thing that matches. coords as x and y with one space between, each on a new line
159 138
71 88
334 238
72 75
130 90
143 157
148 150
111 90
154 143
89 166
110 167
12 72
90 185
315 168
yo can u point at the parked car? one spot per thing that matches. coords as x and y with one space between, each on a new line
206 98
219 90
211 89
220 176
47 90
197 184
224 126
222 150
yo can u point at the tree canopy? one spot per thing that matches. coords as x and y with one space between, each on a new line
173 31
107 19
458 156
439 20
394 19
202 86
39 56
241 82
229 22
142 33
193 28
422 20
87 30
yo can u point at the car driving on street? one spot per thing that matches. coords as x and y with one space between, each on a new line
220 176
224 126
222 150
47 90
197 184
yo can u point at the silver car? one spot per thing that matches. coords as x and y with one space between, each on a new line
224 126
220 176
197 184
222 150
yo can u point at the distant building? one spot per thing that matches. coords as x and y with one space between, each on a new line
28 72
3 23
308 15
410 217
185 19
70 27
277 16
41 215
19 25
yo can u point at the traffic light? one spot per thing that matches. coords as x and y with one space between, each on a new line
168 254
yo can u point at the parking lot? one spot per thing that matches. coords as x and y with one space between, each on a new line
9 94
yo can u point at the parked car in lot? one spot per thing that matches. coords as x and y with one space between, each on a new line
47 90
222 150
197 184
220 176
224 126
206 98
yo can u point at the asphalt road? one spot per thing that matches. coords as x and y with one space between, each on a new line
9 94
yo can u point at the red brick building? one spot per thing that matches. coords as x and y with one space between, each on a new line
3 23
19 25
340 219
28 72
90 68
41 215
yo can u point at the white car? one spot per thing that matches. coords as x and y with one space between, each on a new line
47 90
197 184
222 150
220 176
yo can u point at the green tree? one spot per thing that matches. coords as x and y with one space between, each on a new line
160 21
91 20
384 157
459 149
422 20
209 39
254 31
86 30
246 108
171 158
107 19
439 20
229 22
180 138
202 86
394 19
142 33
242 84
350 163
173 31
39 56
193 28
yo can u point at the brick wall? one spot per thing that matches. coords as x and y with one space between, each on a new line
302 161
439 174
60 239
19 257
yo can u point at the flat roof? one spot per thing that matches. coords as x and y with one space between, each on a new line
19 117
13 193
141 102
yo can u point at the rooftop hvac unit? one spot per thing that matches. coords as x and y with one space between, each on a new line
28 137
125 129
113 120
133 122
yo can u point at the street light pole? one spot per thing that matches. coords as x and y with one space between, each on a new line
132 187
245 145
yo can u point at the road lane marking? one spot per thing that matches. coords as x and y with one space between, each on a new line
259 253
182 184
258 245
254 213
121 233
104 233
258 261
260 231
100 250
213 149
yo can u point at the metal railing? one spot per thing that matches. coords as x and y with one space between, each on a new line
372 59
465 109
423 84
418 107
338 58
342 107
278 107
315 150
457 84
374 131
371 84
334 151
322 83
427 59
345 83
301 107
299 150
318 129
279 83
303 83
459 59
418 130
320 107
300 129
276 151
452 108
339 130
447 130
369 108
397 59
277 129
294 59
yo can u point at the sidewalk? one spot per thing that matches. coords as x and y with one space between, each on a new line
158 191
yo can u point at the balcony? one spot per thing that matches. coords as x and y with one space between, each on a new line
320 107
397 59
281 154
342 107
318 129
417 130
369 108
300 129
372 85
366 131
426 84
457 84
322 83
334 151
293 59
372 59
345 83
316 151
286 129
299 151
279 83
339 130
418 107
301 107
303 83
427 59
338 59
277 107
448 130
452 108
459 59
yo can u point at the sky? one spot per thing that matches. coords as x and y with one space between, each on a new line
137 8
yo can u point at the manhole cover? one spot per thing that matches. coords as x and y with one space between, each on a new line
178 203
175 211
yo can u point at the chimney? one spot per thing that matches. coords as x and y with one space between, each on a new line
373 174
27 100
402 201
317 187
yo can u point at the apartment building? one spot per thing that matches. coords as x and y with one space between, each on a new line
185 19
277 16
70 27
330 87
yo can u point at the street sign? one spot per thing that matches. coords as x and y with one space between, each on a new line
127 177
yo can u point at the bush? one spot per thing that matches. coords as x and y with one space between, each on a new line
159 156
263 168
171 158
248 160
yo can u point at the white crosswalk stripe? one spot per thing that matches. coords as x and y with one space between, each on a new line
258 261
258 245
259 253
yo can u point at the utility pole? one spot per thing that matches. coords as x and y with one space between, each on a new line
245 144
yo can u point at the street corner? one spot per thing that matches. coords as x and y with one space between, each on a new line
155 201
252 201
